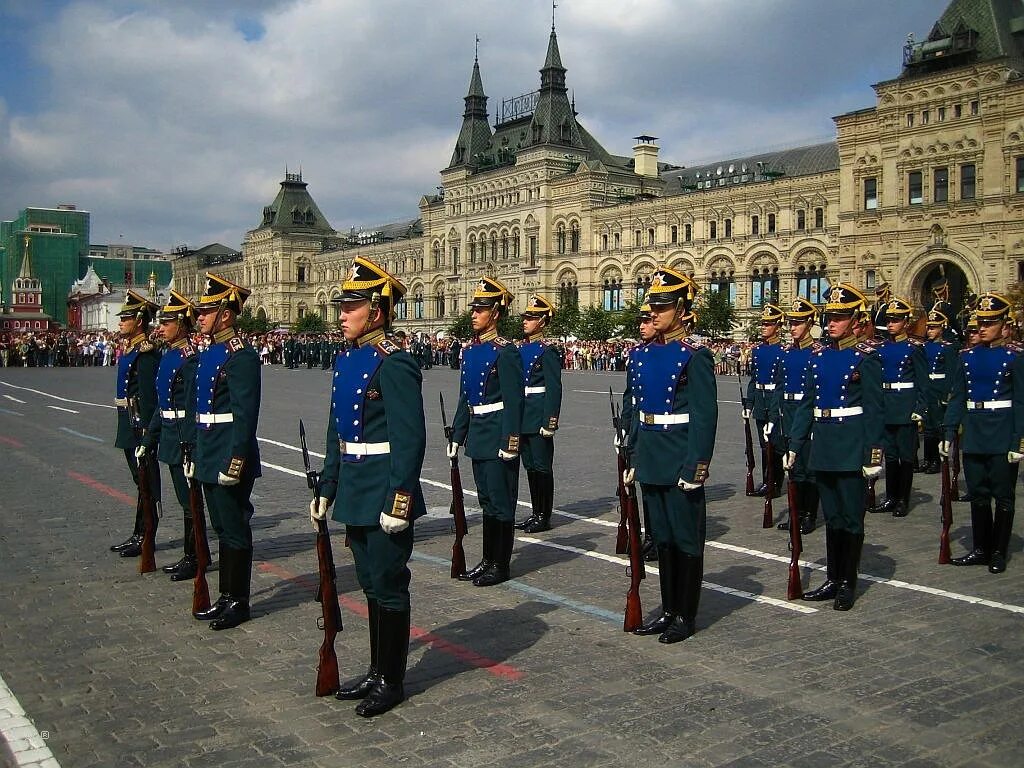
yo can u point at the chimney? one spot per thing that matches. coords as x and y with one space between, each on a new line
645 156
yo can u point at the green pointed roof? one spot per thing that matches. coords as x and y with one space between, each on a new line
475 136
968 32
554 119
294 210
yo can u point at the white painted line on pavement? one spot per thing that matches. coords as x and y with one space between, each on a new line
55 397
26 744
279 468
795 607
15 399
81 434
289 447
58 408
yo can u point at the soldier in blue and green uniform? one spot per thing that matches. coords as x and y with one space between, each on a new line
227 456
376 437
289 351
628 418
676 401
941 356
174 421
765 360
788 394
904 383
542 375
136 382
842 415
488 421
987 401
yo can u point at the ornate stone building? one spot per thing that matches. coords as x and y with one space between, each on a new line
930 180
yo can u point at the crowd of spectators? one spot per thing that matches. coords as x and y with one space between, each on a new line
57 349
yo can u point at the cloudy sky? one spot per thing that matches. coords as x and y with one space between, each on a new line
172 121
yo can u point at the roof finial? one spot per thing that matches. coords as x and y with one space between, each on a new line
476 51
553 6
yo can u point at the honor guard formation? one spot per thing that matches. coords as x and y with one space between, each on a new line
836 414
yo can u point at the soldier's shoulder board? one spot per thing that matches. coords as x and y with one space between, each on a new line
915 342
187 351
147 346
388 347
816 346
236 344
693 343
501 341
867 349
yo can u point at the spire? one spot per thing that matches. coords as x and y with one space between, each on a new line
552 76
26 263
554 118
475 135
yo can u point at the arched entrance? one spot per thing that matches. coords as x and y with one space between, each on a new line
932 276
261 315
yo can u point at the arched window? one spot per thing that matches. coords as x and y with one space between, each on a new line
764 286
494 245
515 243
401 310
439 303
568 292
437 254
673 234
811 283
560 238
604 242
574 238
650 235
643 284
417 305
613 299
472 249
504 245
724 280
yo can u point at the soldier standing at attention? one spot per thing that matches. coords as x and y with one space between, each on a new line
174 421
987 400
764 364
789 392
376 437
542 371
136 381
227 457
941 356
677 412
628 416
488 421
842 416
904 377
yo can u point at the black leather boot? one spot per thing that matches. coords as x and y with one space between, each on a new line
498 571
981 528
224 578
892 488
189 568
1001 537
545 505
847 592
650 549
136 536
359 687
133 547
188 547
905 488
688 579
666 570
808 493
237 610
531 479
489 525
827 591
394 654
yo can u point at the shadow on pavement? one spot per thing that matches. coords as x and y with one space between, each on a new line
720 606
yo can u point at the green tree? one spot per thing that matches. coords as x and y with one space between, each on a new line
629 319
565 321
247 322
509 325
310 323
462 327
715 314
596 324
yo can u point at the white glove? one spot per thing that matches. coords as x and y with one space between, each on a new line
871 472
1014 458
317 511
391 524
789 460
506 456
617 440
915 417
140 451
688 486
223 479
452 450
767 430
746 413
189 468
944 447
545 432
628 476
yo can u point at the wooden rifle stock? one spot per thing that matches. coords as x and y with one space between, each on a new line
200 589
633 617
947 513
747 439
622 534
869 499
796 544
147 560
458 507
328 679
769 482
954 483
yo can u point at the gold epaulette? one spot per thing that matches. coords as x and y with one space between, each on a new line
387 347
235 344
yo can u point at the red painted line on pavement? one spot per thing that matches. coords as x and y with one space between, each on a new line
11 442
96 485
460 652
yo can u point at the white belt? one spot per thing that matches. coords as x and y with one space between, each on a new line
121 402
898 385
768 387
988 405
480 410
935 376
831 413
364 449
664 418
793 396
214 418
173 414
535 390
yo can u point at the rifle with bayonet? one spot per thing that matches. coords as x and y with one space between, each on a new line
200 589
147 560
327 678
794 588
747 437
630 510
458 507
622 535
947 510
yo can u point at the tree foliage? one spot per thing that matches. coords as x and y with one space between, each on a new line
247 322
509 325
310 323
715 314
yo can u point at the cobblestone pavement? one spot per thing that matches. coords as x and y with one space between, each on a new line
926 670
